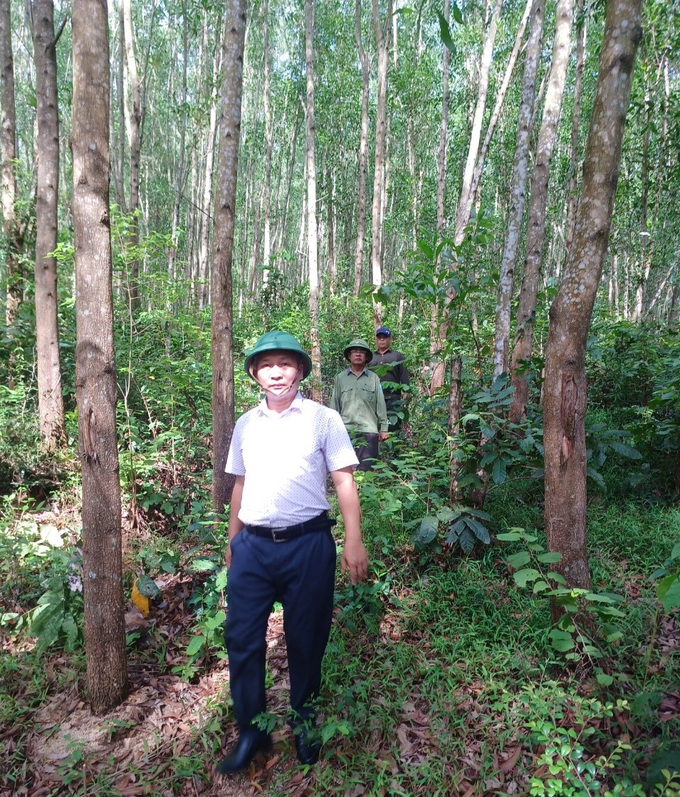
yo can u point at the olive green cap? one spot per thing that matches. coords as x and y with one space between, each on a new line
279 341
358 343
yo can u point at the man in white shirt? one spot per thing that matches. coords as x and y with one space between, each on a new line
280 542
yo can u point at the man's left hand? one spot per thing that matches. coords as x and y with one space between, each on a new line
382 436
355 561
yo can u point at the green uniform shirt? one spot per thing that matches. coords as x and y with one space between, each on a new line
360 401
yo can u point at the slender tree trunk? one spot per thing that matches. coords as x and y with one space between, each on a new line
96 388
570 316
268 140
382 38
10 226
179 179
518 183
439 320
204 245
464 202
443 132
538 204
576 121
495 114
134 117
332 226
50 401
363 152
455 404
312 241
222 338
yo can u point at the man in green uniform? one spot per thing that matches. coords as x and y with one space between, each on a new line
358 397
394 376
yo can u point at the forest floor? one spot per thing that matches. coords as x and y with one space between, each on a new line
441 684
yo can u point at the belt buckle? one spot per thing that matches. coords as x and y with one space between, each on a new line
275 538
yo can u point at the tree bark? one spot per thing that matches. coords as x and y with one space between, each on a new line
222 337
312 239
10 226
538 203
518 183
134 117
50 400
571 312
382 40
96 388
363 153
464 202
576 121
268 143
496 113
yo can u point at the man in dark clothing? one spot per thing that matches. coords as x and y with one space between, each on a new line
388 364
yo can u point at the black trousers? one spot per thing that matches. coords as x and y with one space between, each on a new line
300 573
366 449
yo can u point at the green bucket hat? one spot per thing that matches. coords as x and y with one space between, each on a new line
358 343
279 341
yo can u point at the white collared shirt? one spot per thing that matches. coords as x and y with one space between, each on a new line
286 458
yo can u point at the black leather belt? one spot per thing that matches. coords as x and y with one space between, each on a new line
317 523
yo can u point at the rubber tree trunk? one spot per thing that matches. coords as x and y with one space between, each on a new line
50 400
538 203
570 315
221 286
96 387
518 183
363 152
312 237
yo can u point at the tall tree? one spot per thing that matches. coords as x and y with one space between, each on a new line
222 336
134 119
96 388
465 199
268 145
565 378
312 238
518 183
382 43
50 401
363 151
10 227
538 206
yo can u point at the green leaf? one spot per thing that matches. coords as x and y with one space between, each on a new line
427 531
195 645
624 450
467 541
221 579
558 577
668 592
216 620
499 471
540 586
446 514
523 577
603 679
480 531
457 14
202 565
509 536
561 640
147 586
518 560
550 557
445 33
596 477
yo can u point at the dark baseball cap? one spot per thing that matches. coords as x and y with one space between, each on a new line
383 331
